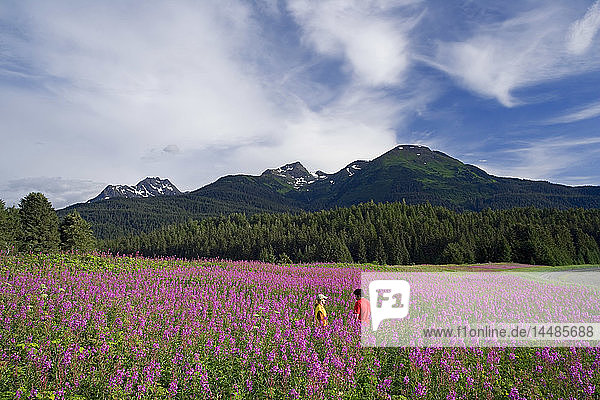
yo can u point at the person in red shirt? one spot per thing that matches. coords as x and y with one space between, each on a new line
362 307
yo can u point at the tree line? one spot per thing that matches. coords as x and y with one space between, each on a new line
35 227
388 233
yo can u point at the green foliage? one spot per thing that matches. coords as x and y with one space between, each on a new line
10 227
266 255
394 233
39 224
5 239
453 254
284 259
76 233
34 227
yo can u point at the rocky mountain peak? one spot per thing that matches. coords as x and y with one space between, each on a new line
148 187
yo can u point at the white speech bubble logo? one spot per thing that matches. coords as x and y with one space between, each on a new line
389 300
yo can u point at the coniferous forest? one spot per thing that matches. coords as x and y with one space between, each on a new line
389 233
392 233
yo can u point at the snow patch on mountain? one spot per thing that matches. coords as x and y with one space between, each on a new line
294 174
149 187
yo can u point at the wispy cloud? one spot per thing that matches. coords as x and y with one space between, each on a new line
551 159
520 51
580 114
582 32
157 154
365 33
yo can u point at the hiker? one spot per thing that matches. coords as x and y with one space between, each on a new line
362 307
320 313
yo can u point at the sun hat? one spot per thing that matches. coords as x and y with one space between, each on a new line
321 296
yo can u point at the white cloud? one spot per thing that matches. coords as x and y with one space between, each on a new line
362 32
582 32
358 124
105 91
551 159
167 69
586 112
60 191
521 51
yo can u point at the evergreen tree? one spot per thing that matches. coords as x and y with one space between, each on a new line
14 227
342 254
587 248
452 254
39 224
503 251
359 250
523 244
284 259
3 226
266 255
76 234
9 227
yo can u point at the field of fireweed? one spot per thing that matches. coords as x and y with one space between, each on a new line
98 326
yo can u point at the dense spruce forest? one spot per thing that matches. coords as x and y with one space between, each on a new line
391 233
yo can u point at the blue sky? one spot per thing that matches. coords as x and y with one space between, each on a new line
96 93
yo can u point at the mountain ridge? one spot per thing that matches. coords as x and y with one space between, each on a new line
406 173
148 187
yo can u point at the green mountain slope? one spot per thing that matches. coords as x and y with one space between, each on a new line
413 174
231 194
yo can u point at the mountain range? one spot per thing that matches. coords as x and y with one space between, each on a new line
149 187
410 173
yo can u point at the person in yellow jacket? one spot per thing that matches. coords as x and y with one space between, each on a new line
320 313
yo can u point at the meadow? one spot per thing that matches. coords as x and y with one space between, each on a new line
110 327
